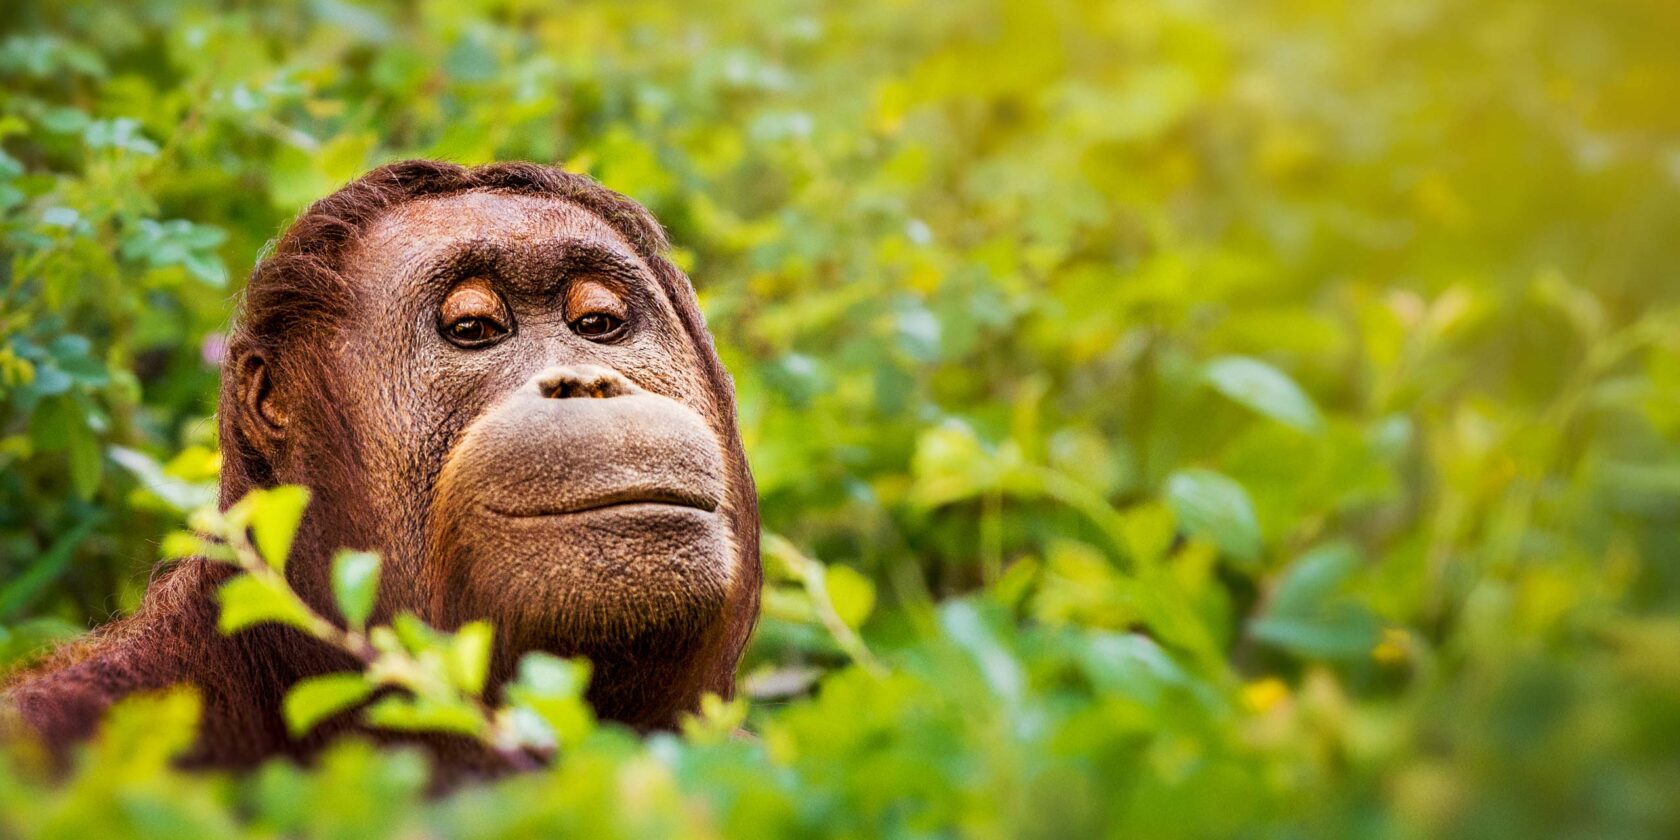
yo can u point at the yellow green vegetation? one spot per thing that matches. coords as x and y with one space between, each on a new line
1172 417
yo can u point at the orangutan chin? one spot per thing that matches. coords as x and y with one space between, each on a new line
494 378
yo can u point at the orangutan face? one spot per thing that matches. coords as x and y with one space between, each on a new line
536 441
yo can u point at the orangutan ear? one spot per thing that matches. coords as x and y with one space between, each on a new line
262 417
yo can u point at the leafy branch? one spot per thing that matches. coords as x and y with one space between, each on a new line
836 597
426 679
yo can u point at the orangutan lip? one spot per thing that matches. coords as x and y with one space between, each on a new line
626 498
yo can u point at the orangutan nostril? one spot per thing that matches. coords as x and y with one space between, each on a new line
587 381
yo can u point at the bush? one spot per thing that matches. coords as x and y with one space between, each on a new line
1170 418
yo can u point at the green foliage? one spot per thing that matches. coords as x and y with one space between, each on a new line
439 676
247 601
275 514
355 581
1265 389
1308 615
314 699
1170 418
1212 505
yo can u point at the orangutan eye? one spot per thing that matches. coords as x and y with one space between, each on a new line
597 310
474 332
597 325
473 315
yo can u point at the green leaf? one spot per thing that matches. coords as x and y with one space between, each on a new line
1314 577
275 514
9 166
546 675
1148 530
1137 667
717 722
552 689
247 600
852 594
410 714
144 733
385 640
315 699
355 582
1343 630
951 464
1307 614
469 656
179 545
1264 389
976 633
64 120
416 636
1214 506
179 493
206 267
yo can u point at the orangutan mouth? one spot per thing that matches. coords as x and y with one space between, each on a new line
638 497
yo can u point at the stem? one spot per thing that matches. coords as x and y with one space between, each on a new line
991 536
397 669
810 573
1089 503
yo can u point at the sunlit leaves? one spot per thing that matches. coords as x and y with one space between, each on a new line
355 581
852 594
977 634
45 56
353 789
469 656
178 242
314 699
951 463
439 676
718 720
414 635
1136 666
1265 389
274 515
179 493
797 591
122 133
248 600
1083 314
1081 586
126 782
426 714
551 690
1213 506
303 174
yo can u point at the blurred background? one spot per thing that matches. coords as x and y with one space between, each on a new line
1327 354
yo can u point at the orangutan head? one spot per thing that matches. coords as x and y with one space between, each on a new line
494 378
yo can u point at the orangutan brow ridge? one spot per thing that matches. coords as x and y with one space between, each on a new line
532 268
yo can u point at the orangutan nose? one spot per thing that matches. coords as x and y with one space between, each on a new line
593 381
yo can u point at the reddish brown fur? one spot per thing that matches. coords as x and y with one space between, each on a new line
296 295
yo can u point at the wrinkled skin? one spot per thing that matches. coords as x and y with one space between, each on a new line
510 400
